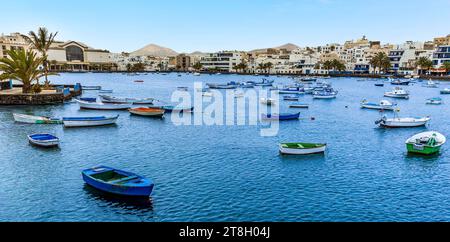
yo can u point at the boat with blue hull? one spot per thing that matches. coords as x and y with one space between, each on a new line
43 140
175 109
281 117
118 182
263 83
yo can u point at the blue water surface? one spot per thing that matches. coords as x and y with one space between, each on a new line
228 173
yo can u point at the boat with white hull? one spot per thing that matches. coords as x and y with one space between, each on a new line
382 105
403 122
43 140
397 93
104 106
302 148
71 122
116 100
29 119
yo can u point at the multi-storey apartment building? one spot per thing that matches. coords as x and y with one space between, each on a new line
12 42
222 61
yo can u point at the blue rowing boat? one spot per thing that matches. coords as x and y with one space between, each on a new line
43 140
174 109
118 182
280 117
89 99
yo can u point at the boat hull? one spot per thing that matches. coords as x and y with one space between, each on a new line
393 124
158 114
374 107
401 96
299 106
281 117
290 151
27 119
118 190
74 123
103 106
324 97
44 143
423 150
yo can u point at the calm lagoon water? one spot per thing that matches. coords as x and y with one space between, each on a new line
228 173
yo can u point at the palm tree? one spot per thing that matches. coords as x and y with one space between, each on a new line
242 66
446 66
236 68
327 65
262 67
423 63
198 66
22 66
380 61
41 41
268 66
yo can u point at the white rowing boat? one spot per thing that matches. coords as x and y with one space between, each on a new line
104 106
71 122
29 119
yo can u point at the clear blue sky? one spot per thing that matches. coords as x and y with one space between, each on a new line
212 25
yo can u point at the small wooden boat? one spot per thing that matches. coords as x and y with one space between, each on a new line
383 105
28 119
434 101
268 101
175 109
399 82
139 81
148 112
89 99
43 140
379 84
431 84
397 122
280 117
70 122
325 95
246 85
116 100
302 148
308 80
136 101
292 90
91 88
231 85
103 106
299 105
446 91
427 143
264 83
397 93
291 98
118 182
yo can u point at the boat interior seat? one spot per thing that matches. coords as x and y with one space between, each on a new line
126 179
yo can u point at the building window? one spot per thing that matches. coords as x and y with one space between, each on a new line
74 53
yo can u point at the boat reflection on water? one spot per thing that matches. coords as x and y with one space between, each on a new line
311 158
145 205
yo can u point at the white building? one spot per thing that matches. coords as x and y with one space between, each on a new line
221 61
76 56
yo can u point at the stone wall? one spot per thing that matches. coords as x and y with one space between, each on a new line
32 99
